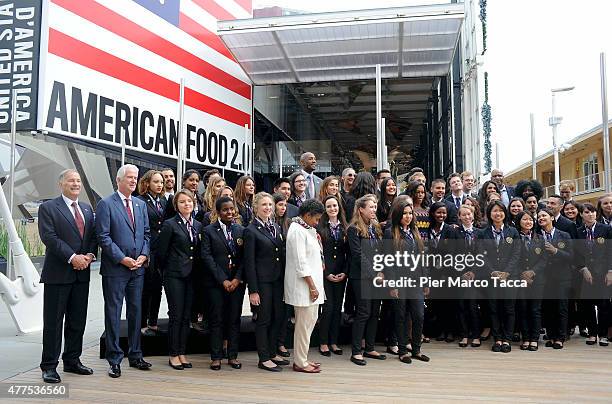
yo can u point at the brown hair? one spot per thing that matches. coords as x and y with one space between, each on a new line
145 181
183 191
323 190
240 195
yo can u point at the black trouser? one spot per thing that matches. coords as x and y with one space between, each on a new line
151 297
329 321
198 298
502 319
469 318
409 311
269 316
284 324
387 322
530 318
179 293
65 303
366 319
597 322
485 316
447 312
224 312
556 323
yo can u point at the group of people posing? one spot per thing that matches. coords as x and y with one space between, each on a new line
303 255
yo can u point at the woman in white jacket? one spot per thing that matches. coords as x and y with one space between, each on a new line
304 279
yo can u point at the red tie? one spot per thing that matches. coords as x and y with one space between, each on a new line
129 211
78 219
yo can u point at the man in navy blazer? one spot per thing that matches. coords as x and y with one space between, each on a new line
66 227
122 225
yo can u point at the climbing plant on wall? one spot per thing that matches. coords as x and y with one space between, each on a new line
483 20
486 125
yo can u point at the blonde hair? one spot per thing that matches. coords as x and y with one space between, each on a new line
357 220
183 191
258 198
209 197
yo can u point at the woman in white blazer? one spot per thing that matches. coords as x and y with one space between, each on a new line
304 279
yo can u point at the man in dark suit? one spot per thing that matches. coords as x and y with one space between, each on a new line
66 227
456 196
283 186
308 163
555 203
122 225
505 191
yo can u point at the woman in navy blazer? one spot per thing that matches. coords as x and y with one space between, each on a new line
264 265
500 244
151 192
177 250
222 253
332 229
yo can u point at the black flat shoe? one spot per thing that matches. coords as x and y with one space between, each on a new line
505 348
215 367
337 351
557 345
360 362
325 353
463 344
187 365
284 354
51 376
420 357
235 365
140 364
590 342
449 339
524 347
114 371
392 352
78 368
405 359
485 338
533 348
272 369
548 344
604 341
282 362
496 347
176 367
380 357
475 345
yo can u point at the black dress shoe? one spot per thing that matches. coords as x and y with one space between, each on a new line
282 362
284 354
405 358
360 362
140 364
187 365
325 353
215 367
590 342
420 357
463 344
548 344
235 365
505 348
176 367
496 348
603 341
533 348
272 369
337 351
78 369
392 352
51 376
114 371
380 357
558 345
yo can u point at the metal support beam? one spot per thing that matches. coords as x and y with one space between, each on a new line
379 148
604 127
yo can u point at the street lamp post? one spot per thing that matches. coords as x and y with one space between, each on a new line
554 121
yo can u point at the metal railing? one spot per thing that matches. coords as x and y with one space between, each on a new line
583 185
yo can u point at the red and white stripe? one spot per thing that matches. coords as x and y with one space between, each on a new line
133 50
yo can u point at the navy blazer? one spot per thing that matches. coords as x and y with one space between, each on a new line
559 266
566 225
60 235
596 256
335 253
118 238
361 253
217 254
176 252
533 257
503 257
156 220
264 255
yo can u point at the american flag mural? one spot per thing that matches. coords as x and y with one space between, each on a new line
112 68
